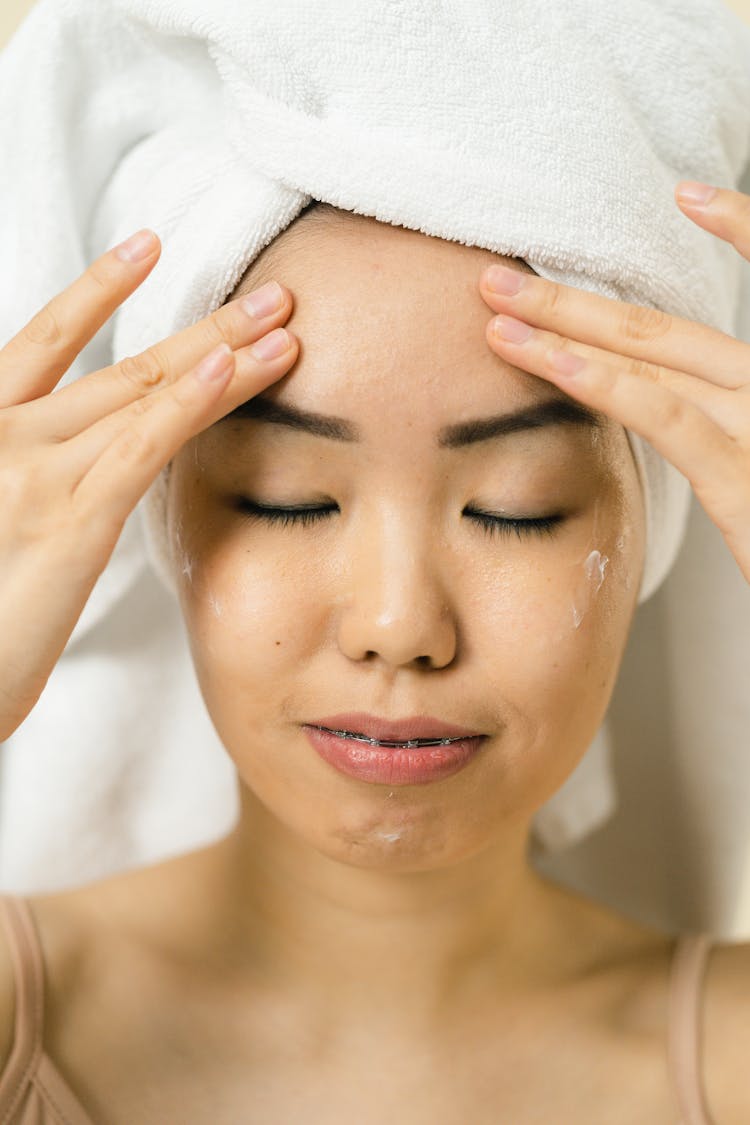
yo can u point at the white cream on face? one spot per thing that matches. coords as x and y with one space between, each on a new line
594 566
183 561
621 544
215 604
187 567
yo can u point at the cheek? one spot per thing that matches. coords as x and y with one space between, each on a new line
551 629
252 615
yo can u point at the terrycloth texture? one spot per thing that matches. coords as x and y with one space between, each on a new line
551 133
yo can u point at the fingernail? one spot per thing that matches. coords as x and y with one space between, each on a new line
215 364
511 329
272 345
264 301
501 279
696 194
137 247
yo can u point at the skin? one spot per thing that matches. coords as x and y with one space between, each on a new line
398 605
346 948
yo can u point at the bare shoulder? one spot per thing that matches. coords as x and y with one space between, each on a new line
93 927
94 937
726 1032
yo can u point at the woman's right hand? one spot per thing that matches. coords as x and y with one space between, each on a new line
74 464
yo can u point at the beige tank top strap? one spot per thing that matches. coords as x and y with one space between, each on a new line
29 971
685 1040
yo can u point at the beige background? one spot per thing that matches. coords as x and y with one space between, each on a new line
13 11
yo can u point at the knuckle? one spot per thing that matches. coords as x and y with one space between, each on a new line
44 327
642 323
144 372
216 330
644 370
133 446
564 344
553 298
141 407
27 503
101 277
17 485
671 412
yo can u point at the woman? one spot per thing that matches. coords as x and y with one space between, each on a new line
369 943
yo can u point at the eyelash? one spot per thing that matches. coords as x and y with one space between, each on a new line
492 525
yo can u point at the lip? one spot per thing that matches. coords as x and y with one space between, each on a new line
390 766
394 730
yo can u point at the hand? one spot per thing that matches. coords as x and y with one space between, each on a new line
74 464
681 385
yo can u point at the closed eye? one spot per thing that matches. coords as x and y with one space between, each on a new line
505 525
284 516
491 524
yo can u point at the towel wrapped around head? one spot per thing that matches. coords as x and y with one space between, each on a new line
551 133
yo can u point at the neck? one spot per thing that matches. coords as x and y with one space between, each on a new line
349 940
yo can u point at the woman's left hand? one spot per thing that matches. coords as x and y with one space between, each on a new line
681 385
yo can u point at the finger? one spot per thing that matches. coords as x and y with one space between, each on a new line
73 409
717 403
35 359
616 326
120 456
677 429
722 212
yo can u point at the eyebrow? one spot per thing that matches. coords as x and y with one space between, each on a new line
549 412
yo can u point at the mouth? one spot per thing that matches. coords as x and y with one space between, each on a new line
427 749
412 732
408 744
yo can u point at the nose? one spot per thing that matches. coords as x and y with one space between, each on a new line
397 607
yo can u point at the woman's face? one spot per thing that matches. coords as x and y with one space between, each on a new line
398 600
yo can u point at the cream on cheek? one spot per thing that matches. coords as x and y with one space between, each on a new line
608 549
548 627
589 584
622 558
559 580
546 606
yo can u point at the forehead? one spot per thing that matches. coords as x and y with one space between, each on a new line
382 311
392 328
373 297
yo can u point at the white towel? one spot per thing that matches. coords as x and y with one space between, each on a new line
552 133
